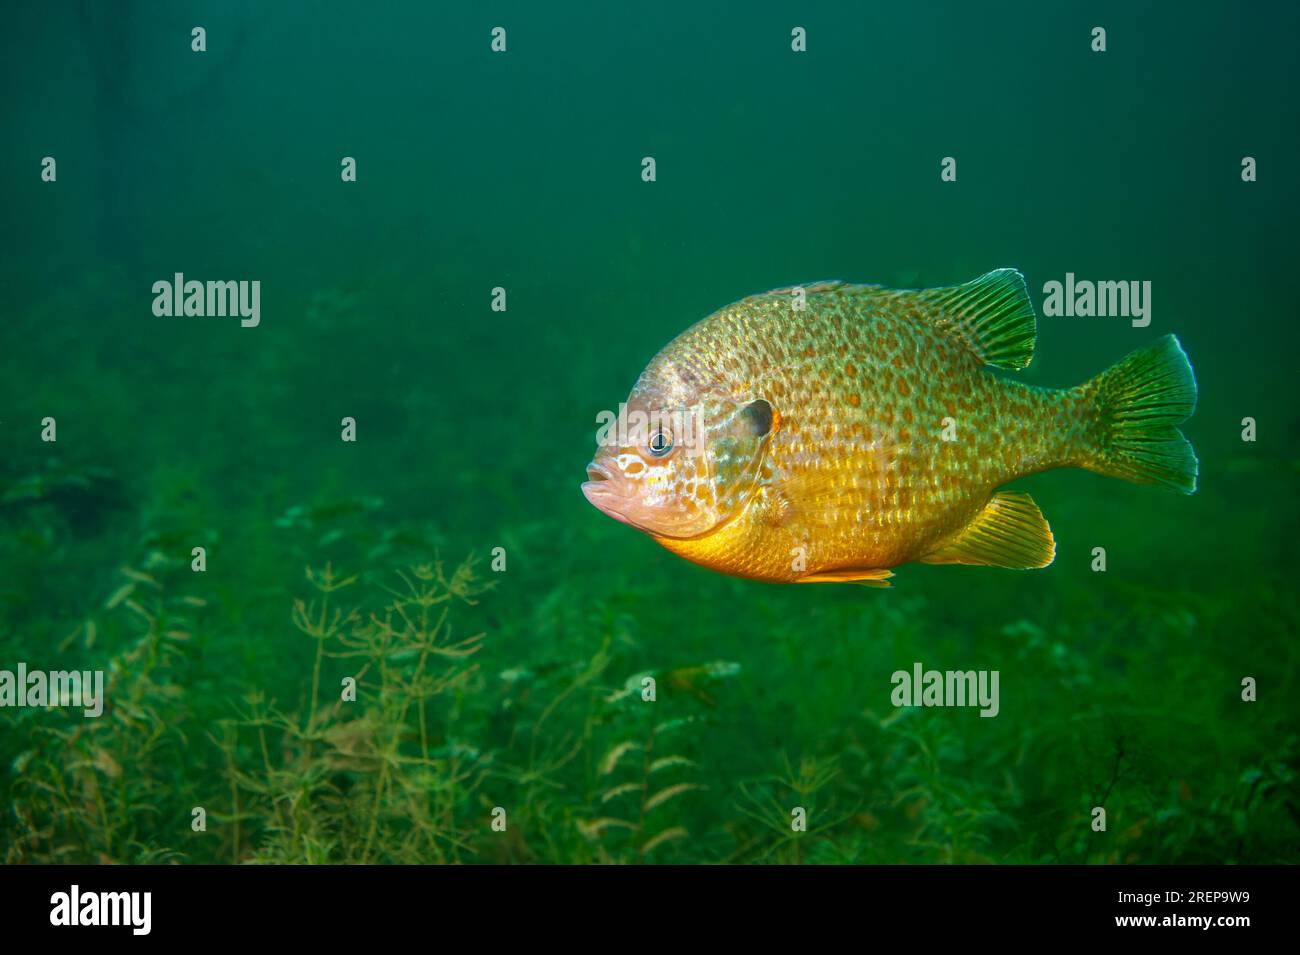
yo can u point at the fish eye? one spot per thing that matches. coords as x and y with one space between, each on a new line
661 443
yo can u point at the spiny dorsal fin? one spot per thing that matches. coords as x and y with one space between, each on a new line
809 288
993 314
1010 532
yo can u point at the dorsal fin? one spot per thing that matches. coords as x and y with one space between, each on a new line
809 288
992 314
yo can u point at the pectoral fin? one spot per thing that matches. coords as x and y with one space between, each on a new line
1009 532
819 498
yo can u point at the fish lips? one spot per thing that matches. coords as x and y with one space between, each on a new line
612 494
603 493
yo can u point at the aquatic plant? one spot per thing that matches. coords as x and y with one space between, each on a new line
112 789
539 715
373 772
629 829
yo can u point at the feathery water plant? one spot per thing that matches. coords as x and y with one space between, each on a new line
373 772
105 789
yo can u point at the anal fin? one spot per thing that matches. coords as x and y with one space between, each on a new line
1009 532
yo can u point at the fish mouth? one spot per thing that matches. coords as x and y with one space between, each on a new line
600 491
608 491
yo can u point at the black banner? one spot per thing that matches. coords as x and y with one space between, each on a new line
332 904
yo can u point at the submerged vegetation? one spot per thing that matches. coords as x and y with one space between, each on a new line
592 699
406 709
468 256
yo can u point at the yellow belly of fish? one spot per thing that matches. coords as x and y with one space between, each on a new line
1006 530
768 541
911 515
735 549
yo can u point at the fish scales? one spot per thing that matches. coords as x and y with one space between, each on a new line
880 436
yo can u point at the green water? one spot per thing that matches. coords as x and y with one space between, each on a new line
523 170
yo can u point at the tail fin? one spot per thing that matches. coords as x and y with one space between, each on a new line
1138 402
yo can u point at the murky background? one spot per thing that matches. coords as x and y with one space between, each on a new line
522 170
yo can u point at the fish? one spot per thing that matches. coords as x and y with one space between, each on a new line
831 432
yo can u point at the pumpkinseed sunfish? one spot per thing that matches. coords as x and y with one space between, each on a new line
830 432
